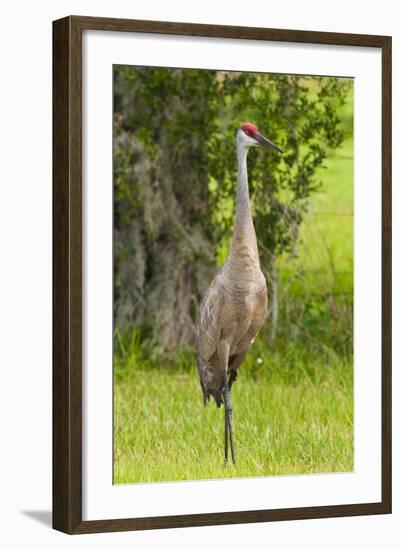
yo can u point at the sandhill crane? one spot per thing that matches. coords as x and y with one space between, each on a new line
234 306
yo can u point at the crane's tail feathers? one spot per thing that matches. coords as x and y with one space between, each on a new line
218 399
218 395
233 377
204 380
208 384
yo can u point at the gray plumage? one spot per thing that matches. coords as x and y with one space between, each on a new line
234 306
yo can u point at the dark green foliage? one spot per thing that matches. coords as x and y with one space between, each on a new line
175 179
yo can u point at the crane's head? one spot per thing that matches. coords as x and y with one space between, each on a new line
248 135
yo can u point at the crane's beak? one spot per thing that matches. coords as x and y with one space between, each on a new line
267 143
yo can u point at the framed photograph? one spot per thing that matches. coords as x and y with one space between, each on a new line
222 275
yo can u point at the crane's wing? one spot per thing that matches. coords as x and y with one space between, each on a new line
208 328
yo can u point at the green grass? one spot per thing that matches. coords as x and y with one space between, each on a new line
290 417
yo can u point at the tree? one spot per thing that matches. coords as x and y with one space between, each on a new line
175 178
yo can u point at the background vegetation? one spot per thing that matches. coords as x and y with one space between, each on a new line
174 201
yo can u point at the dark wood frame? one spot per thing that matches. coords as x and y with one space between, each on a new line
67 278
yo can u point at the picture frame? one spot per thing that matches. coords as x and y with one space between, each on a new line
68 296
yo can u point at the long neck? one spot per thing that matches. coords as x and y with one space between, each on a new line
244 245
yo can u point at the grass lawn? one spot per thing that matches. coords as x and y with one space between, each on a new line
288 419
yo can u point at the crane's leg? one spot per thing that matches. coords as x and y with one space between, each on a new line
228 411
225 433
223 351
